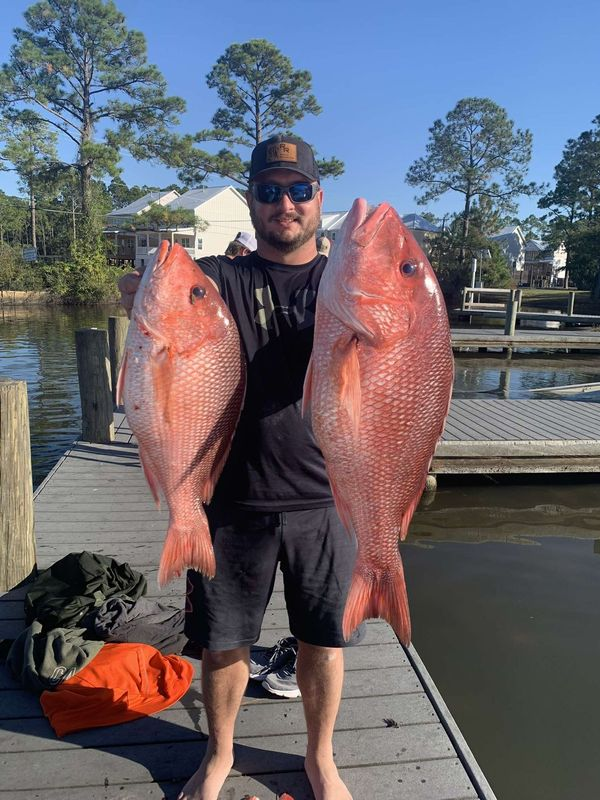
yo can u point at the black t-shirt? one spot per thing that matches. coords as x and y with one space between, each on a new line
275 463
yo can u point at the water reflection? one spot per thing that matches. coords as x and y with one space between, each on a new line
509 628
482 376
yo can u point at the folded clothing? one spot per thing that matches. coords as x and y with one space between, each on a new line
63 594
41 661
121 619
122 683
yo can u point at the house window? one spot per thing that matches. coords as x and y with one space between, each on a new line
153 240
199 244
142 241
185 241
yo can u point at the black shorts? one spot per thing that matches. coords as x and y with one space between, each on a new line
316 556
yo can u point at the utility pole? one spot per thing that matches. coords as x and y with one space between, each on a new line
73 217
33 231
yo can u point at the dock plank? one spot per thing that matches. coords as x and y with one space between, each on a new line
389 736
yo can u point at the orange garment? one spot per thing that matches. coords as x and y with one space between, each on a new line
123 682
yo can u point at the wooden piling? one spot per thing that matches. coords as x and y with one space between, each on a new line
17 538
93 370
512 306
117 334
571 303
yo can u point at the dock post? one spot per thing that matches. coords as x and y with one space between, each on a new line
17 537
571 303
93 370
117 333
511 314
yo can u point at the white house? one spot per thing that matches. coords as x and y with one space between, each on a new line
544 266
512 243
221 211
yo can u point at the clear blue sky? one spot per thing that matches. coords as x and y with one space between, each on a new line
382 72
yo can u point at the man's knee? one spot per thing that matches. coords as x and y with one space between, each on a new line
218 659
319 654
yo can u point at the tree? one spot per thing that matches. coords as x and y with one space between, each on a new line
80 70
574 205
158 216
261 94
477 153
30 147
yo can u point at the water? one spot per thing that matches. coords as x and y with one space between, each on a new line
503 574
38 346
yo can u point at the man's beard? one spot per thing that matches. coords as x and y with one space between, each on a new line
280 243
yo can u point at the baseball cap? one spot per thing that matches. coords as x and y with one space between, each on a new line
284 152
246 240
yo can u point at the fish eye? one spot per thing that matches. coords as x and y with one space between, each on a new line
197 293
408 268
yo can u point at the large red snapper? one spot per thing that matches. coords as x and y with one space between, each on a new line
182 383
378 387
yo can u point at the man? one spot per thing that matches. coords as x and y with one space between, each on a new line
243 244
273 503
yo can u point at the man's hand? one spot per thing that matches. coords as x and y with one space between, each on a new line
128 286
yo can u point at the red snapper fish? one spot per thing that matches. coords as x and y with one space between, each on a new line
378 387
182 383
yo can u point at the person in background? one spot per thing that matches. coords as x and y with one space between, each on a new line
243 244
323 245
273 506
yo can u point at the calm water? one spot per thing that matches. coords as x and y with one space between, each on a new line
504 576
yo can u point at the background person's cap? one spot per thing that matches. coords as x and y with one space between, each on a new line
246 240
284 152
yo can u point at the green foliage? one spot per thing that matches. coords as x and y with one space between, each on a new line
477 153
262 94
17 275
158 216
85 278
574 205
79 69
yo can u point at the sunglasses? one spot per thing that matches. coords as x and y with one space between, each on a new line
272 193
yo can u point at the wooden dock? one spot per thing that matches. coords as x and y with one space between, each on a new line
526 436
486 339
395 738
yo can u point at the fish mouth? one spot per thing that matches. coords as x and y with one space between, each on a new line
369 221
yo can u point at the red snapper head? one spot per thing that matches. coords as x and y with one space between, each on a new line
177 305
378 281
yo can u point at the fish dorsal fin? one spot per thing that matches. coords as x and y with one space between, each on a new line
350 389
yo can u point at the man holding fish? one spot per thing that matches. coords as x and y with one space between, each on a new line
378 392
273 502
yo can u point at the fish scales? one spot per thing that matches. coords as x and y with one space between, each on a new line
378 388
182 385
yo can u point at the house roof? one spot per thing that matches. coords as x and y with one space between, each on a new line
536 244
196 197
419 223
138 205
333 220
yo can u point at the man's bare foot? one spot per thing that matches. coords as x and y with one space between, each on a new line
325 780
208 780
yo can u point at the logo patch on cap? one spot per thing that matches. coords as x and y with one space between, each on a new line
282 151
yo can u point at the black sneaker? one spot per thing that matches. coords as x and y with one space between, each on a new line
270 659
283 682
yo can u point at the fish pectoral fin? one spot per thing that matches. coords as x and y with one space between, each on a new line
121 380
350 389
150 477
308 388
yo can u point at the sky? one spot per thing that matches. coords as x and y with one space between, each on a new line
382 72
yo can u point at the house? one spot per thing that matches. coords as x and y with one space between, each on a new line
422 229
119 223
512 243
331 223
221 212
544 265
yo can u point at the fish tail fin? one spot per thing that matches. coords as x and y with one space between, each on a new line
187 546
378 595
